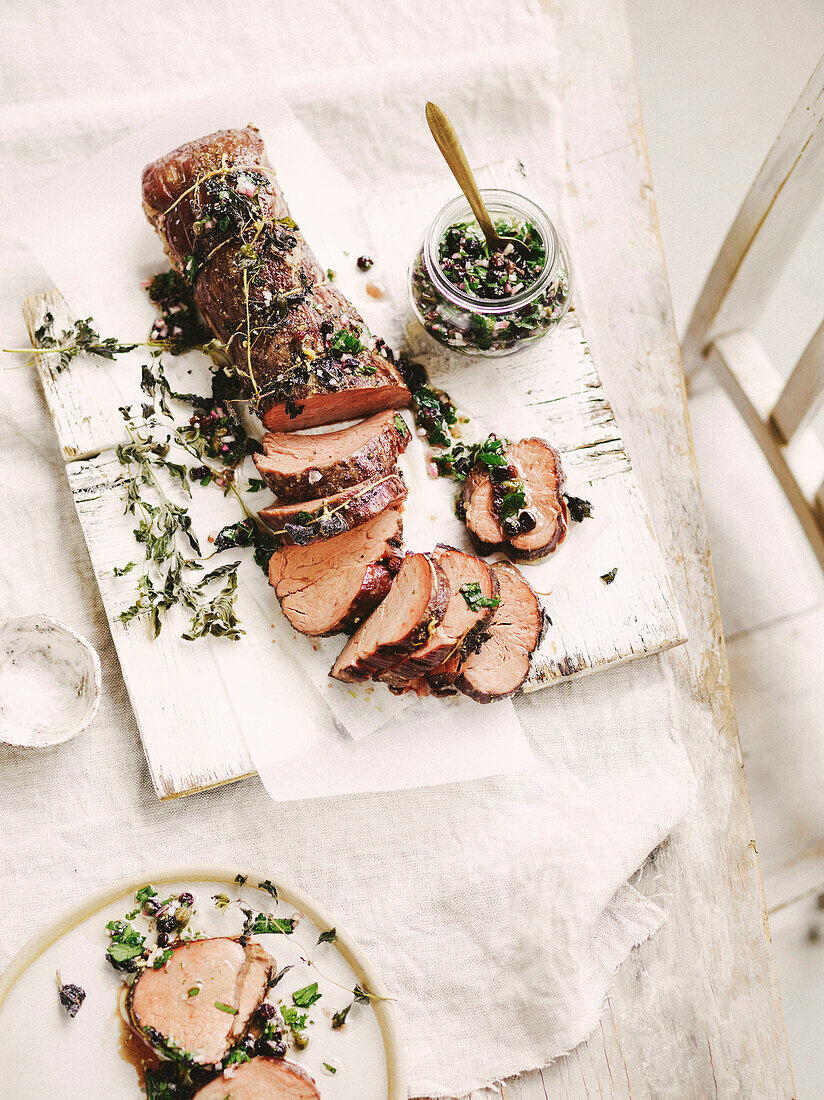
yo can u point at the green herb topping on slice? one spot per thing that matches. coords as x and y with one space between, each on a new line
475 599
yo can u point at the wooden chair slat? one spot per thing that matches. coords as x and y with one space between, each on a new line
779 206
802 395
752 382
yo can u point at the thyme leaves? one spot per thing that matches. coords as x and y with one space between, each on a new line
579 509
81 338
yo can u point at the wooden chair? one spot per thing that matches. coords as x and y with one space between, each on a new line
775 214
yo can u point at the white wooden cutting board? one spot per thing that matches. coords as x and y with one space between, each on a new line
182 693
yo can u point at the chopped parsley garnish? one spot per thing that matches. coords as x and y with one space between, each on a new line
609 577
339 1018
226 1008
193 992
475 599
144 893
327 937
162 958
306 997
332 1069
269 887
127 948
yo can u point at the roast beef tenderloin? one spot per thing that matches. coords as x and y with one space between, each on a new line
302 467
224 223
330 585
331 516
261 1079
543 519
168 1015
501 662
401 624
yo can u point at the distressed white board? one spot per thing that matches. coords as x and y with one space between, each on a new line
180 691
556 380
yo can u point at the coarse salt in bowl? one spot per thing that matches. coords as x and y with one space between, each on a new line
49 682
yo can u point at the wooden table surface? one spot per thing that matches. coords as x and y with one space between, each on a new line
695 1011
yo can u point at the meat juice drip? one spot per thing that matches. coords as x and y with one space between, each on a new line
131 1047
376 291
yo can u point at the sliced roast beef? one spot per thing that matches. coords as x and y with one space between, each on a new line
500 663
302 467
330 516
331 584
402 623
539 526
202 999
299 345
261 1079
472 600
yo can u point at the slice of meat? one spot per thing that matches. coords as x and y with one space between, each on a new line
261 1079
302 467
230 980
402 623
463 614
331 584
501 663
538 466
330 516
224 222
352 393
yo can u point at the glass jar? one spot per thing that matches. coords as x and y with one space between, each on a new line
478 324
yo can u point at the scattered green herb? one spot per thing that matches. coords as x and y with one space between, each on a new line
609 577
127 949
339 1018
226 1008
332 1069
327 937
162 958
306 997
475 599
80 338
579 509
269 887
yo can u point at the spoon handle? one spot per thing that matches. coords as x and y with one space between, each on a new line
447 141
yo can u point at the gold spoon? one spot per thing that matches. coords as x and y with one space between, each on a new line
449 144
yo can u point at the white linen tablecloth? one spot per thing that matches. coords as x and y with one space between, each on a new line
496 910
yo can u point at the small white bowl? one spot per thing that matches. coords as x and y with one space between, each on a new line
49 682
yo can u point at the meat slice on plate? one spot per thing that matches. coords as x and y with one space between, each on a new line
299 345
330 516
539 526
402 623
261 1079
472 599
331 584
302 467
231 980
501 663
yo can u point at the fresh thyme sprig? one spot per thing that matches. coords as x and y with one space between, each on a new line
81 338
172 552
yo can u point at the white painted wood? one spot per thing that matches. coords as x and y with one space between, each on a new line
177 686
779 206
85 399
557 380
759 580
778 680
752 383
695 1012
802 395
182 705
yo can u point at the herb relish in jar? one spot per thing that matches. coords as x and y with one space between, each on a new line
484 302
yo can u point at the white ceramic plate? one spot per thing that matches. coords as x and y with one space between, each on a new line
44 1052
